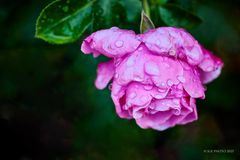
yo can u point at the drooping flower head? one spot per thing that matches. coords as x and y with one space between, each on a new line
156 76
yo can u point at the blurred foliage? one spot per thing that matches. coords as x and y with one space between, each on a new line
50 109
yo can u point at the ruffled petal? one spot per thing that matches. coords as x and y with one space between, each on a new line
119 99
193 84
173 42
192 115
112 42
210 67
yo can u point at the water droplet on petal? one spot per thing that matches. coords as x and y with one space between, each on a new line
148 87
114 28
140 48
169 82
119 44
166 65
138 79
158 96
161 90
132 95
151 68
176 111
175 101
130 61
172 52
163 84
144 98
181 79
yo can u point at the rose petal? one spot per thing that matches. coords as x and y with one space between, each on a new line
192 116
119 100
193 85
155 121
210 66
105 73
112 42
173 42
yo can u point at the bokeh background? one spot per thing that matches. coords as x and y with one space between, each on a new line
50 109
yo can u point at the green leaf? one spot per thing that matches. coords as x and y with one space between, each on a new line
121 13
174 15
146 23
64 21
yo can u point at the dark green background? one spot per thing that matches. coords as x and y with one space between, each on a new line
50 109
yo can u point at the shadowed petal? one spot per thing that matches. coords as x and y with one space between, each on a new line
105 72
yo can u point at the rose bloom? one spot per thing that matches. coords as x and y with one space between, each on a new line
156 76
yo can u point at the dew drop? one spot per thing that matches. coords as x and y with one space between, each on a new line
181 79
130 61
158 96
176 111
151 68
166 65
119 44
169 82
65 8
138 79
175 101
161 90
148 87
144 98
132 95
163 84
172 52
140 49
114 28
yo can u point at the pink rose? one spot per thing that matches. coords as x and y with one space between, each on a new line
156 76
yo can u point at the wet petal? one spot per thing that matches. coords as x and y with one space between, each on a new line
173 42
105 73
112 42
119 100
155 121
192 116
210 67
193 85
